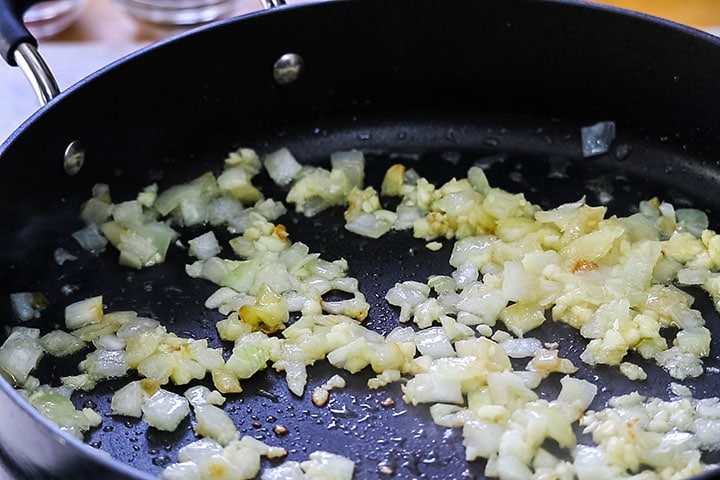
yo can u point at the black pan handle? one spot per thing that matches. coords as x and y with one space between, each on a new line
19 48
12 29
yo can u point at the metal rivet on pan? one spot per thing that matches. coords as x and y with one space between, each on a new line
288 68
74 158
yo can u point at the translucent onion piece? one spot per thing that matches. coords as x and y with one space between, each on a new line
165 410
84 312
596 139
20 354
281 166
204 246
91 239
59 343
28 305
328 465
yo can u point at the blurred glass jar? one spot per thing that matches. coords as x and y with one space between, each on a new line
178 12
51 17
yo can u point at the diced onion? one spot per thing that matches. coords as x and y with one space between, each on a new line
352 162
61 256
59 343
204 246
200 450
324 464
201 395
596 139
91 239
281 166
57 407
129 399
20 354
165 410
28 305
181 471
84 312
521 347
214 423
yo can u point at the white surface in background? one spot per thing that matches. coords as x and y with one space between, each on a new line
70 62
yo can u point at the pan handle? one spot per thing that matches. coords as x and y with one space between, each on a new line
268 4
12 29
19 48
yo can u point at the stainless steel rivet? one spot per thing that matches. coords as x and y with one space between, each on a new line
74 158
288 68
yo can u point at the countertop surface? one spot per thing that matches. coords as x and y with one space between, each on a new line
104 33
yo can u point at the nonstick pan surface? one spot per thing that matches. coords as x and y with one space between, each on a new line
439 87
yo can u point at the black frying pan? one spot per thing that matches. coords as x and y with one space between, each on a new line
424 80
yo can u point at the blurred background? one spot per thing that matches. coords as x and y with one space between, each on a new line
80 36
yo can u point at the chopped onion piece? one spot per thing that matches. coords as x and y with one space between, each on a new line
165 410
91 239
136 326
478 180
20 354
61 256
633 371
109 342
407 215
201 395
465 275
245 158
352 163
224 210
128 400
328 465
577 394
84 312
319 190
147 197
96 211
59 343
691 220
103 364
321 394
181 471
204 246
270 209
128 213
28 305
287 471
693 276
200 450
596 139
58 408
393 181
214 423
235 182
434 343
521 347
281 166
